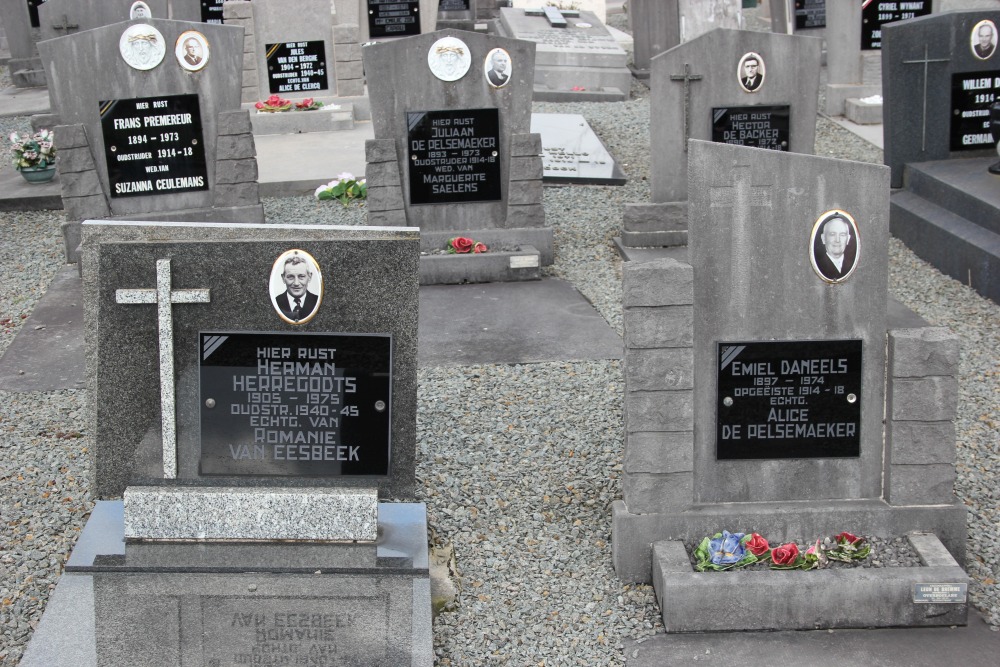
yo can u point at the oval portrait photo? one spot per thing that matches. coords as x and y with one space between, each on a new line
984 39
750 72
296 286
191 50
139 10
498 68
835 246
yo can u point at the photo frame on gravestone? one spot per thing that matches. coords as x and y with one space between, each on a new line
153 145
295 67
789 400
295 404
393 18
454 156
757 126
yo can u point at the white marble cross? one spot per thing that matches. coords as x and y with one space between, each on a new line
163 296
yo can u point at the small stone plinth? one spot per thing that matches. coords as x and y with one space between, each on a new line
498 266
863 113
324 119
267 513
805 600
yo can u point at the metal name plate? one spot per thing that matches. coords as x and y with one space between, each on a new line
393 18
755 126
295 404
876 14
940 593
789 400
297 67
153 145
972 95
454 156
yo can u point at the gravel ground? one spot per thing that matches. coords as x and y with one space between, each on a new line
532 550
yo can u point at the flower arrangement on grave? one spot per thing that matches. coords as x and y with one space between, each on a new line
344 188
725 551
308 104
273 104
462 245
35 152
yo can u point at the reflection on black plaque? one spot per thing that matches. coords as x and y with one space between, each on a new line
810 14
211 11
453 6
294 67
153 145
295 404
972 94
393 18
454 156
875 14
789 400
756 126
33 12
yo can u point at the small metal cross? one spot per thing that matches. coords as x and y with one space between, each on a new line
687 77
163 296
925 62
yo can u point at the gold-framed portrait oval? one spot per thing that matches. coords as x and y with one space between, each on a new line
296 286
983 39
834 246
192 51
751 71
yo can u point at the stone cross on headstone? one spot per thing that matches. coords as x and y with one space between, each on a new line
923 117
687 77
553 14
163 296
741 197
65 25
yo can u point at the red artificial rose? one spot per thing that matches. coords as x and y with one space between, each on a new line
786 554
757 545
846 537
259 105
479 247
461 244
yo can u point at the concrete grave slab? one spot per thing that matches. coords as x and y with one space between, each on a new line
573 153
510 323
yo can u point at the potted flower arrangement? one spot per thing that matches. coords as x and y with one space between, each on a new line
34 156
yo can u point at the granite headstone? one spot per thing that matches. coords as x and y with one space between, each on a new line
658 25
63 17
25 66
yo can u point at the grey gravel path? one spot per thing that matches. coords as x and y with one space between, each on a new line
518 464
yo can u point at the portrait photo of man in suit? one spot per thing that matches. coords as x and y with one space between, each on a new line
297 304
751 72
984 39
498 68
835 246
191 50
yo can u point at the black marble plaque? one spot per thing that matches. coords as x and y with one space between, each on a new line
297 67
789 400
33 12
875 14
211 11
153 145
393 18
972 94
756 126
810 14
454 156
453 6
295 404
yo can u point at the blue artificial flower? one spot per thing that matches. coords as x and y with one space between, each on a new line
727 549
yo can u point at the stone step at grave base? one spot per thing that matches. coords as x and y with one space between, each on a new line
837 95
639 72
331 117
949 215
496 266
659 225
543 93
934 594
863 113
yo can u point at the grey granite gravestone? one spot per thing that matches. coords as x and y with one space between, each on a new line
579 61
844 62
389 19
458 14
746 408
658 25
59 18
698 93
24 65
478 175
938 91
234 542
165 143
792 16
